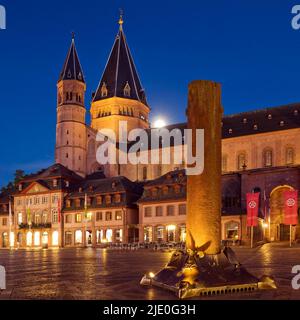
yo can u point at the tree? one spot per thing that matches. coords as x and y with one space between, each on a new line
19 175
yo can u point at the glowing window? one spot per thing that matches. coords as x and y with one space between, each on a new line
29 238
89 216
20 218
118 215
55 238
119 235
12 239
45 238
182 233
37 238
109 235
78 217
100 236
78 237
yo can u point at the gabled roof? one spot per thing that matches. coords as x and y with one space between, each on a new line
56 170
72 69
39 185
120 72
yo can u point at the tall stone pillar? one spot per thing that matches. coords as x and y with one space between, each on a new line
205 269
204 191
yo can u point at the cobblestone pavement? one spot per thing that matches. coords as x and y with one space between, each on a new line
108 274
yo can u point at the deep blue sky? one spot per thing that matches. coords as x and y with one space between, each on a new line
248 46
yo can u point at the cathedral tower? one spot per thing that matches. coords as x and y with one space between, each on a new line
71 130
120 95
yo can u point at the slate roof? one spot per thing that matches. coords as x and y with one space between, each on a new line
267 120
45 178
105 185
72 69
177 177
120 70
242 124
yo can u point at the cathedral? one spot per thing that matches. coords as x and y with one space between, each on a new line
119 97
78 202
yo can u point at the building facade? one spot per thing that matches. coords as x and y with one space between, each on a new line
81 202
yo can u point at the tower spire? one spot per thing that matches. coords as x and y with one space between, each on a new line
120 77
72 69
121 21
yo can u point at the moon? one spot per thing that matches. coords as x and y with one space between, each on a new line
159 123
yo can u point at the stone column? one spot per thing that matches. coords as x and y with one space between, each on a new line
204 191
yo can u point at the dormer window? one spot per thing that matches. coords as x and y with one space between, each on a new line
20 187
54 182
296 112
69 74
281 123
230 131
127 90
79 76
245 120
255 127
270 117
67 184
104 90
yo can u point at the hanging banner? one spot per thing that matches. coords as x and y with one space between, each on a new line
59 206
290 216
252 209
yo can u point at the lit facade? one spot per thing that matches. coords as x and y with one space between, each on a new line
78 202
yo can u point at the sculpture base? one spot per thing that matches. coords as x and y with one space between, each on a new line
193 274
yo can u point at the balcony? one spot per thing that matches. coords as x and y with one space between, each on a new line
47 225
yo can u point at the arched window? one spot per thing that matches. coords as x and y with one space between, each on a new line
224 163
37 218
241 161
44 217
289 155
268 158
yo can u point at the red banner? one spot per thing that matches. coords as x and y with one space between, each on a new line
252 209
59 209
290 207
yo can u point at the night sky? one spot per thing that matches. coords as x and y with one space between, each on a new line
248 46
